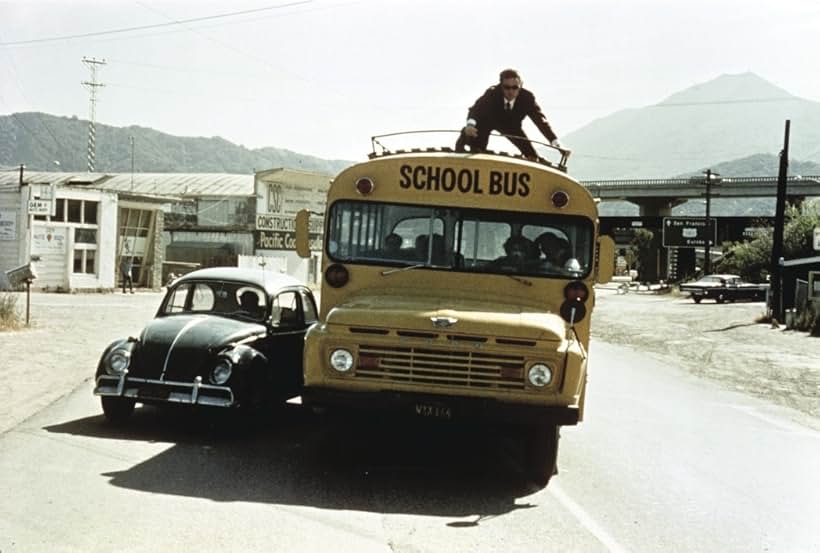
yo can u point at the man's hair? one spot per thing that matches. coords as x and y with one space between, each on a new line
508 74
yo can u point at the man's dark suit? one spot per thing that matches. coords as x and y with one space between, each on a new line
489 115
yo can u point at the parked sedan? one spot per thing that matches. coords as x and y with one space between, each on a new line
222 337
723 288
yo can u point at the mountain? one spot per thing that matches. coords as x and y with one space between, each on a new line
38 139
728 118
758 165
732 117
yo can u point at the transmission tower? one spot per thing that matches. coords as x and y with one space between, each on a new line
92 86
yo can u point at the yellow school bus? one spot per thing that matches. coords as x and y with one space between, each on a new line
458 286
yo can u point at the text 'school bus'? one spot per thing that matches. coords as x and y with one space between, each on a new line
458 286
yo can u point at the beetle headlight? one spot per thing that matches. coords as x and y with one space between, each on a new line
118 360
341 360
539 375
221 371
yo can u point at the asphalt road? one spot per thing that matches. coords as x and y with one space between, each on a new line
666 461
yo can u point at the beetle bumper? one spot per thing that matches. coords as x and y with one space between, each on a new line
159 391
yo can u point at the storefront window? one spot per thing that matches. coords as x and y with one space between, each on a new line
90 213
75 211
85 236
84 213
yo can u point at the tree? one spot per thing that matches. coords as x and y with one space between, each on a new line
640 250
751 259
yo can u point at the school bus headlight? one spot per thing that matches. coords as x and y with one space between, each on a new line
539 375
341 360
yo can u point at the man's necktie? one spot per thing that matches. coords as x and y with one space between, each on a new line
507 106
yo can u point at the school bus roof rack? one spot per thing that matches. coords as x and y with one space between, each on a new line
561 165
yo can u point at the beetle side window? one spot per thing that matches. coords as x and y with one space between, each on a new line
286 305
203 298
176 303
309 308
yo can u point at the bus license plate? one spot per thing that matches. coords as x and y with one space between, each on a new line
434 411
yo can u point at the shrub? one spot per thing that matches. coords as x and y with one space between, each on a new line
9 317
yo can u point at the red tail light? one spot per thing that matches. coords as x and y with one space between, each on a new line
336 275
576 291
560 199
365 186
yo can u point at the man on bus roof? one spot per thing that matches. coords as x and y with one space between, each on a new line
502 108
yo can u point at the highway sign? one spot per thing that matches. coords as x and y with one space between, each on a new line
688 232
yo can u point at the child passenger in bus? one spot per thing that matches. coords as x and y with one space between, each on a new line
519 255
392 246
557 256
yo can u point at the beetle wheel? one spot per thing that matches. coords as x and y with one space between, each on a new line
117 410
696 299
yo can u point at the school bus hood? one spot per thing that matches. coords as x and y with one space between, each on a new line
432 313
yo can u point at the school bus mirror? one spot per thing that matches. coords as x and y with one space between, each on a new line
302 237
606 259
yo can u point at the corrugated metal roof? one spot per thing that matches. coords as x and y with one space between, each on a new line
170 184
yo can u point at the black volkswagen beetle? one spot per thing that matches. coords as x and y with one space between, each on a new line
222 337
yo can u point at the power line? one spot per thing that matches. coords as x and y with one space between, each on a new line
155 25
34 135
248 55
23 93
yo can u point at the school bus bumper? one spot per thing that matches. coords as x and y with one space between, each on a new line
407 404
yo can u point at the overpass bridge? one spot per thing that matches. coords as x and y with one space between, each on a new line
657 197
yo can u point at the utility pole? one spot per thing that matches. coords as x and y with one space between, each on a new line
775 283
92 87
131 140
707 261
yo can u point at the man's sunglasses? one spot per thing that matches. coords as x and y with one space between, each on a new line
511 86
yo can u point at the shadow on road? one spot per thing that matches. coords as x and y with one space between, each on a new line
293 457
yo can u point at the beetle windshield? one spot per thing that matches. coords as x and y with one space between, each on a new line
216 297
460 239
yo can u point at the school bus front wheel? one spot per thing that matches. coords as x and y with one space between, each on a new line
541 453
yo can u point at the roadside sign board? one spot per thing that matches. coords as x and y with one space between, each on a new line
688 232
39 207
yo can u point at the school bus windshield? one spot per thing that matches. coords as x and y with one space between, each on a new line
460 239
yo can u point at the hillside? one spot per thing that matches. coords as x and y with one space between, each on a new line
732 117
728 118
38 139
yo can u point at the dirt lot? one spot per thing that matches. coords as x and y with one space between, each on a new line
60 350
718 342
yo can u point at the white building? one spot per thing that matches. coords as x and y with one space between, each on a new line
77 227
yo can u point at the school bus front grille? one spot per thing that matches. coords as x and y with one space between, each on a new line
469 369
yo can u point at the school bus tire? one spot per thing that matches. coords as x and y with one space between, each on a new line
541 453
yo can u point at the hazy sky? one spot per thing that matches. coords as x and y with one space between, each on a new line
321 77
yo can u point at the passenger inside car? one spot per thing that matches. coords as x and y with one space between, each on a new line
249 303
